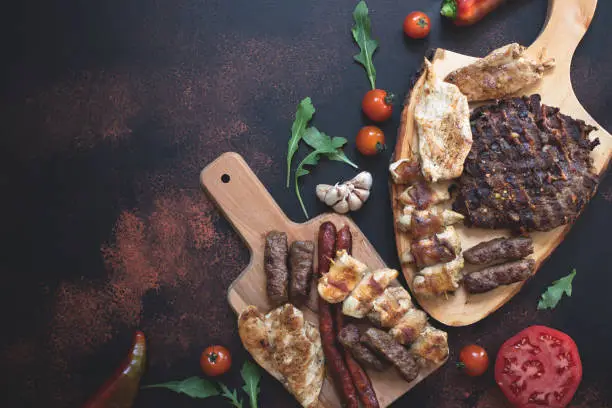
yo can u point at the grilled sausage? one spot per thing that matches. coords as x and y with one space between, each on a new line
367 396
384 344
349 338
494 276
275 266
300 258
499 250
335 362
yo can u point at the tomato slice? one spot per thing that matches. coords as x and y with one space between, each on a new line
539 367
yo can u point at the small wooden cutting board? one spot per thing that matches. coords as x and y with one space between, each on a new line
248 206
566 24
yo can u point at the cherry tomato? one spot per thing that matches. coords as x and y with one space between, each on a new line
215 360
377 105
539 367
370 140
416 25
475 360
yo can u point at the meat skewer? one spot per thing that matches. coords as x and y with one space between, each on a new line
384 345
494 276
335 362
422 195
424 223
275 266
440 248
363 385
405 171
437 279
409 327
389 307
301 256
499 250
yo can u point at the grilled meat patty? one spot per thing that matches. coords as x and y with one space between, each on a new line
499 250
349 338
494 276
529 167
275 266
301 256
384 344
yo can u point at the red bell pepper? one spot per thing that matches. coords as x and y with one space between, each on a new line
121 389
467 12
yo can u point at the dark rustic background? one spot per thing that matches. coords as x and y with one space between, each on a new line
111 108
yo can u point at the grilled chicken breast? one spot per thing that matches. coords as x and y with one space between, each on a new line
442 119
388 308
504 71
409 327
438 279
373 284
344 274
288 347
430 346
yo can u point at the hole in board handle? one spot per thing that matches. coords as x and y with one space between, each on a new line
225 178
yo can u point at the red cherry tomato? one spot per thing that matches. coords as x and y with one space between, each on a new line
377 105
215 360
539 367
416 25
370 140
475 360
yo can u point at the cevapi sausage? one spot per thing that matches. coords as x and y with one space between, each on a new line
275 266
335 362
367 396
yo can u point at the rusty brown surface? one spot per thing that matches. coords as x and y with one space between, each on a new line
109 111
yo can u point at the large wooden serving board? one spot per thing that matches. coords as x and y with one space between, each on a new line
252 211
566 24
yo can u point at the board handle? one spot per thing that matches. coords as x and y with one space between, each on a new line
242 198
566 23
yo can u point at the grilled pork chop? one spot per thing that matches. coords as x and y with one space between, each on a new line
529 167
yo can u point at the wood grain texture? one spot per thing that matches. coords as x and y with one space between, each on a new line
566 24
246 203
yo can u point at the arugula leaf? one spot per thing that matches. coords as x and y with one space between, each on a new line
304 113
194 387
326 146
232 396
362 33
251 375
319 140
553 294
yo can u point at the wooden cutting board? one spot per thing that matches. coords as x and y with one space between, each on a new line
252 211
566 24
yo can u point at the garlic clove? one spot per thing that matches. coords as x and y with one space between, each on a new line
354 202
322 190
362 194
363 180
341 207
333 196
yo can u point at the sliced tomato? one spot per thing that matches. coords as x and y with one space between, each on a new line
539 367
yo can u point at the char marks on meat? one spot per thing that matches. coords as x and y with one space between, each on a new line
529 167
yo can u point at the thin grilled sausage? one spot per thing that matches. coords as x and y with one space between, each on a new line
367 396
334 359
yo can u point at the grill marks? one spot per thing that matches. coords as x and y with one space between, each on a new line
529 167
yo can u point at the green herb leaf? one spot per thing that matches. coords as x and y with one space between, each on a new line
230 395
195 387
311 160
320 141
449 9
251 375
362 33
555 292
303 115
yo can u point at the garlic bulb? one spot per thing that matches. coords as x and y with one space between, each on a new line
347 196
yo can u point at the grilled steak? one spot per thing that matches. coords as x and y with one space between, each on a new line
529 167
275 266
499 250
349 338
494 276
301 255
384 344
